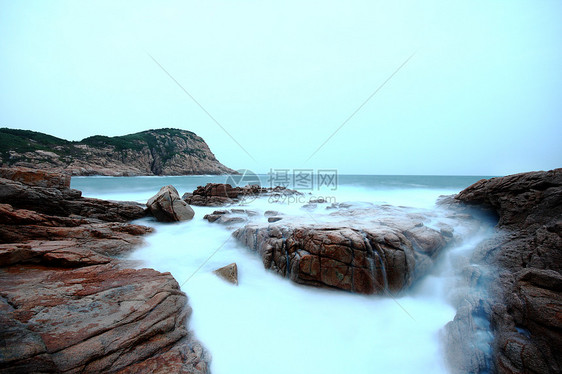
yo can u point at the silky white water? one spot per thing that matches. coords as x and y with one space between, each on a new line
268 324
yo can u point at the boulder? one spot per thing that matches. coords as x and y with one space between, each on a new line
166 206
229 273
386 254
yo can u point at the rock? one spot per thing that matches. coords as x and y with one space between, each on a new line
68 305
274 219
33 177
166 206
525 282
231 216
218 194
269 213
152 152
386 254
317 201
96 318
522 200
229 273
60 201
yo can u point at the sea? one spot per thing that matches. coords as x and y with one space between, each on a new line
268 324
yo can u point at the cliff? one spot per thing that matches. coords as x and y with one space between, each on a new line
521 265
151 152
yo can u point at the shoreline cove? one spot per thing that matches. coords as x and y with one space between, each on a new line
265 314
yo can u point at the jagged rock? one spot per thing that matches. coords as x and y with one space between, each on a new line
523 303
33 177
368 257
96 318
151 152
167 206
60 200
218 194
229 273
67 305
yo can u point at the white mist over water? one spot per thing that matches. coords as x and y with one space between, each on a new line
268 324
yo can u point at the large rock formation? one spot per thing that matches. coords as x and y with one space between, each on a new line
152 152
67 304
35 190
387 253
523 302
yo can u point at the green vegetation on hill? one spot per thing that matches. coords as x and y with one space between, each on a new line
28 141
22 141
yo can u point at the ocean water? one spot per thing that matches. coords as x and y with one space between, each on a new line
268 324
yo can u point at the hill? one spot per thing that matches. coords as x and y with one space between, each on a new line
152 152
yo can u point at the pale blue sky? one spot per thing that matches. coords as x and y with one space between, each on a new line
482 94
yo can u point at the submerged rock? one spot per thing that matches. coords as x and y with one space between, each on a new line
229 273
166 206
229 217
523 303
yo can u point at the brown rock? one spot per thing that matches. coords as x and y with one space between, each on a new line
67 305
64 201
522 303
376 257
34 177
167 206
217 194
229 273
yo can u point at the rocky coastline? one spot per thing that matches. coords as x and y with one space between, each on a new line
68 303
519 270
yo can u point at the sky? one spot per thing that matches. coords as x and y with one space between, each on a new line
365 87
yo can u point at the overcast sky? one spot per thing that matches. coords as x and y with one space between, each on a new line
481 95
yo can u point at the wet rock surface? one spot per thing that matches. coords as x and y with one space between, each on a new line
67 304
387 253
522 303
218 194
230 217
